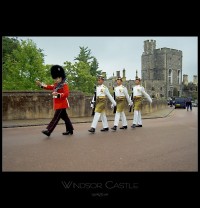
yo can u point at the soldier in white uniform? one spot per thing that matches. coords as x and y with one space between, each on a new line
121 96
138 92
102 93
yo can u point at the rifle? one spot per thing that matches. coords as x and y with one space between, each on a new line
93 103
131 100
59 86
115 107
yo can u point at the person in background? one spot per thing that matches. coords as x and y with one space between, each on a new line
60 102
189 103
138 93
121 94
171 102
102 93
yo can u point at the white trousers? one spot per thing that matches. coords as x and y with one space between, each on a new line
137 118
117 118
96 119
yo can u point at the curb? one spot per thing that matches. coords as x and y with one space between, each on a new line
89 121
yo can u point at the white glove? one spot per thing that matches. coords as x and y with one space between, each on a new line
91 105
55 94
112 106
131 103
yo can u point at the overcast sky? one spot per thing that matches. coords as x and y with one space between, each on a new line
116 53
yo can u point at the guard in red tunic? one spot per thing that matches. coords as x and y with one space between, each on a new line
60 102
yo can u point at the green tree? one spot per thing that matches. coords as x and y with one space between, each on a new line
79 77
8 45
22 66
94 67
86 57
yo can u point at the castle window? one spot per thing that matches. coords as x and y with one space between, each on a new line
179 76
170 76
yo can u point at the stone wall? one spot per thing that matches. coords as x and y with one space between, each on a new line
38 104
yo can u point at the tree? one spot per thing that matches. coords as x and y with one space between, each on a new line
22 66
94 67
24 62
85 57
8 45
79 77
82 75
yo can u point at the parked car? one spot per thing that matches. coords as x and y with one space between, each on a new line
180 102
194 104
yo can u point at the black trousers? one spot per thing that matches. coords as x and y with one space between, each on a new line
189 105
60 114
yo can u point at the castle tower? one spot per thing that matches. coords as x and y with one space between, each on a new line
124 75
185 79
161 70
104 74
149 46
136 76
195 79
118 73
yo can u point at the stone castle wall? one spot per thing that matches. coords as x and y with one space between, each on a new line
36 105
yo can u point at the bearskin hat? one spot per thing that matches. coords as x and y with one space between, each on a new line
57 71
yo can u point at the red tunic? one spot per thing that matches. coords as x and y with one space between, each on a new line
61 102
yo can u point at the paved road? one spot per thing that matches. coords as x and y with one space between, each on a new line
162 144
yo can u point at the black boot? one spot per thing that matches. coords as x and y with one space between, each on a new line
105 129
46 132
133 126
92 130
114 128
123 127
70 132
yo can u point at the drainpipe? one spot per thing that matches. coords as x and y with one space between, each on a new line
166 75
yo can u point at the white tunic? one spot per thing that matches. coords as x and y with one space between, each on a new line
121 91
139 91
103 91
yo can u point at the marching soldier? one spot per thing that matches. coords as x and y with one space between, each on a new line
138 92
101 93
121 96
60 102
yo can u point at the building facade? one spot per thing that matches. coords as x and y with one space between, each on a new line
161 71
111 81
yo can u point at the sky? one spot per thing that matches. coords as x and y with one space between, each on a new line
115 53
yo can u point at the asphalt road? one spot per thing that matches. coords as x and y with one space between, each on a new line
162 144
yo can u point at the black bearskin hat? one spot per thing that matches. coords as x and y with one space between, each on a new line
57 71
